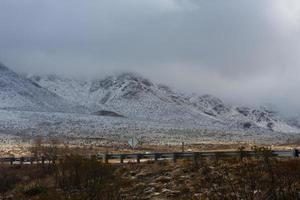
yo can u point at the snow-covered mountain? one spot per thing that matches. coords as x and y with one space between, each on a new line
20 93
122 102
138 98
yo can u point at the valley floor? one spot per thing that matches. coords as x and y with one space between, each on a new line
18 146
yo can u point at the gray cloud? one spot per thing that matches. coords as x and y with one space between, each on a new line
243 51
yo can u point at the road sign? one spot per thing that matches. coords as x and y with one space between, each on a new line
133 142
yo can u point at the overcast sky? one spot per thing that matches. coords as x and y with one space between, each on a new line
244 51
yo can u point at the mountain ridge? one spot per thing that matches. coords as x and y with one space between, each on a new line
134 97
19 93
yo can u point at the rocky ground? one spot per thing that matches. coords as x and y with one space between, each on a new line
215 178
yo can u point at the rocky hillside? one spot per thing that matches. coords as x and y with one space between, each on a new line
20 93
134 96
130 98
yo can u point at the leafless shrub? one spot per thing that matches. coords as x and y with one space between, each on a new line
88 178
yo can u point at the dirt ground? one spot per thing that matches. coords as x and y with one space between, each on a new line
18 149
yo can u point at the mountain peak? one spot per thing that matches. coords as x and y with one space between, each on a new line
3 67
120 80
131 76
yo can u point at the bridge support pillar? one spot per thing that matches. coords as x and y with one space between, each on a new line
195 158
121 159
105 158
138 158
296 153
156 155
174 157
21 160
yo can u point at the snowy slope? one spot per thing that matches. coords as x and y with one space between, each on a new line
138 98
133 96
19 93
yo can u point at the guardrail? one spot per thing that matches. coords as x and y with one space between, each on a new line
28 160
194 155
174 156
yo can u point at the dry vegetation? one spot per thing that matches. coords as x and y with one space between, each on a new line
77 178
